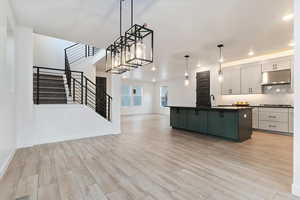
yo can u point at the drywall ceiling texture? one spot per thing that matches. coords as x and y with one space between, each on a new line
193 26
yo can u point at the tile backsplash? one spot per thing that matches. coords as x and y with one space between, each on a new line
256 99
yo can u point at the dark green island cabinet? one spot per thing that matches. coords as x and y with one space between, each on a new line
233 123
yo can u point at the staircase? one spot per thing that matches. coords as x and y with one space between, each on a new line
51 89
66 86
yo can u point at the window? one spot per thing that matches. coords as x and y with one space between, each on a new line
163 96
126 98
131 95
137 96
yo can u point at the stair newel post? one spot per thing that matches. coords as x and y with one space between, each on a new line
86 90
108 112
38 86
81 87
74 90
86 51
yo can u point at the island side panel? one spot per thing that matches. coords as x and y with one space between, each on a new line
245 124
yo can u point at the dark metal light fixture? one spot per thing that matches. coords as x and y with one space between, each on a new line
221 60
139 40
117 52
186 73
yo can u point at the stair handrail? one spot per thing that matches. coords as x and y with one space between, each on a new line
56 69
85 90
95 85
75 53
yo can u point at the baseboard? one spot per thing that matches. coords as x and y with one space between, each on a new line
6 163
73 137
296 190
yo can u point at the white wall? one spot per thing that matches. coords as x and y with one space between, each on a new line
180 95
49 51
67 122
24 86
116 101
296 184
7 86
147 98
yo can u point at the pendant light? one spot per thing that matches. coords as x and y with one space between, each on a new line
186 73
139 40
221 60
117 53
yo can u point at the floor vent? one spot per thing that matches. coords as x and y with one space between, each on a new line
24 198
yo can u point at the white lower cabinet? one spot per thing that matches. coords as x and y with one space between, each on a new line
255 121
273 119
274 126
291 120
274 116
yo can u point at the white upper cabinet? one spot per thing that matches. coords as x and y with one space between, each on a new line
232 81
251 79
277 64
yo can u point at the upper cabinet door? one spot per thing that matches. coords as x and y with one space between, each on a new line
277 64
232 81
251 79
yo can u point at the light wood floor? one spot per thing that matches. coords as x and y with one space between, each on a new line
150 161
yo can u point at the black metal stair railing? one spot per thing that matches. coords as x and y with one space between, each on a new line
73 54
85 93
49 85
50 88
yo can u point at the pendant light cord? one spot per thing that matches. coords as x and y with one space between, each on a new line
121 17
131 13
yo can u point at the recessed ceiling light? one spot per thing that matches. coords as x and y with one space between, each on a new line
288 17
153 80
251 53
124 76
199 65
292 44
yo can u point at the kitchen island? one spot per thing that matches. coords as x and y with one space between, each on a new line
233 123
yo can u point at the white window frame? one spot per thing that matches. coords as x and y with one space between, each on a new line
160 95
131 95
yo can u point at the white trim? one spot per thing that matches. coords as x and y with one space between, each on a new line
296 190
4 168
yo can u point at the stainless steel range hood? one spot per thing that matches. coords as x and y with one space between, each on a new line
280 77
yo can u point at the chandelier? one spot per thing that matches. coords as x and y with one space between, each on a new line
132 50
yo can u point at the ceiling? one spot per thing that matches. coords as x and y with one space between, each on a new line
181 26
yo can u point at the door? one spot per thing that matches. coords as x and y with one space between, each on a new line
251 79
101 100
203 89
232 81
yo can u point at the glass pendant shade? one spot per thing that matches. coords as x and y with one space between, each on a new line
187 82
112 60
123 53
220 76
221 60
139 40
